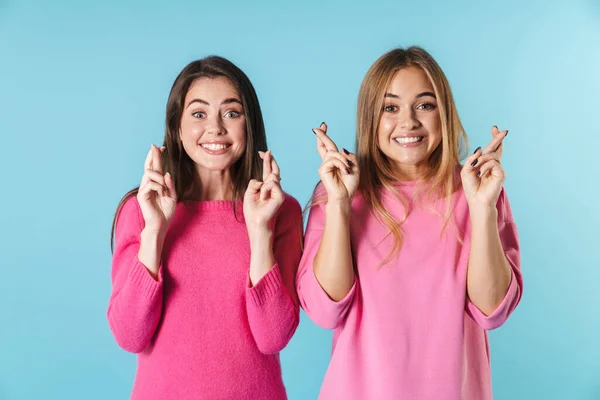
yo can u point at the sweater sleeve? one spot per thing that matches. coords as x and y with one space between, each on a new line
272 304
510 243
135 303
317 304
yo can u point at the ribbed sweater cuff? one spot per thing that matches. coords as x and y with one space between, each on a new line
269 285
140 278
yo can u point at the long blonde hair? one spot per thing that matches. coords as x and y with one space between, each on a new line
376 171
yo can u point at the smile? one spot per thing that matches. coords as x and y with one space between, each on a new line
215 146
411 139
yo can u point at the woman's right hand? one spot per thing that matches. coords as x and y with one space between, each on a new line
157 196
339 170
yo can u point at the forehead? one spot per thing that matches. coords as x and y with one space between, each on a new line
215 88
409 82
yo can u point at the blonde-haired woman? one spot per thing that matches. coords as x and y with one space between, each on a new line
409 256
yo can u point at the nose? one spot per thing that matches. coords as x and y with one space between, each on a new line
215 125
408 120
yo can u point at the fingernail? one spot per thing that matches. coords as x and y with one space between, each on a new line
506 134
346 151
349 163
322 123
348 171
496 126
476 150
478 174
314 131
474 163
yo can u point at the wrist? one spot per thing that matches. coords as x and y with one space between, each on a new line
483 214
260 234
150 251
153 235
338 207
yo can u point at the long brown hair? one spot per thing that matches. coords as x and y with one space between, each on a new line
376 170
174 158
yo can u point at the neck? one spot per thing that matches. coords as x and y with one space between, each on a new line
212 185
404 172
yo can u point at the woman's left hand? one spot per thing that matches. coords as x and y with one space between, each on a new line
482 175
263 198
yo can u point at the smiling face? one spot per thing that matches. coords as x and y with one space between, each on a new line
409 127
213 124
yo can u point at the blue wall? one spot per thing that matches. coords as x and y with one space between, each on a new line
82 95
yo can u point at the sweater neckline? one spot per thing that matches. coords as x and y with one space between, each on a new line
218 205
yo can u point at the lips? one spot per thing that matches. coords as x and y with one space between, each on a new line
409 139
215 146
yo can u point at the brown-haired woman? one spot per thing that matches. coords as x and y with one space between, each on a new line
206 249
414 269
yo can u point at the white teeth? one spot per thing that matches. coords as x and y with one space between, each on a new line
214 147
403 140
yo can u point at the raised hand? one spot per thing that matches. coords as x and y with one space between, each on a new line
482 175
339 170
263 198
156 195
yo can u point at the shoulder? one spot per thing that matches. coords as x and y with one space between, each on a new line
290 206
289 215
129 210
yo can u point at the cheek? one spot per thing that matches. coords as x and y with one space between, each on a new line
190 131
237 132
432 125
386 128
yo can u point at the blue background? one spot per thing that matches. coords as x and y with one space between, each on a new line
83 88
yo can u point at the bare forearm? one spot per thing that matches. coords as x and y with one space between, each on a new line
261 254
333 262
489 272
149 254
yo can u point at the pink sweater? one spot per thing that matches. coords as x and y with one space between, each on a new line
407 330
200 332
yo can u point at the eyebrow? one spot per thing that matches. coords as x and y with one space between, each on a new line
424 94
226 101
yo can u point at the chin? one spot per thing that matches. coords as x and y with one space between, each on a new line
412 159
215 167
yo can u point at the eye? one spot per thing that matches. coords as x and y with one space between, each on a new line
198 114
426 106
390 108
232 114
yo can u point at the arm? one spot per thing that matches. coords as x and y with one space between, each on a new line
136 299
489 272
326 281
494 280
271 301
333 262
314 288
